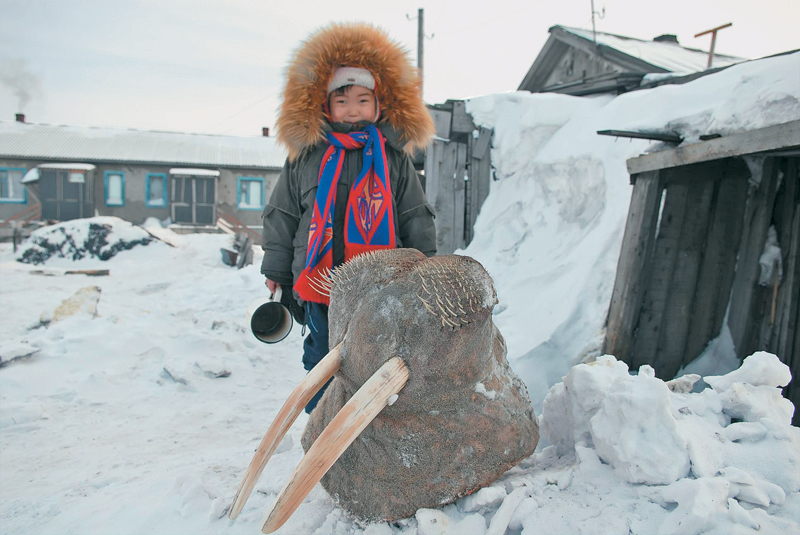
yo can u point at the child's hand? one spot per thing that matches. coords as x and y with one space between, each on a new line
272 285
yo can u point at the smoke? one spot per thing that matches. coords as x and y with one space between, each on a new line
16 76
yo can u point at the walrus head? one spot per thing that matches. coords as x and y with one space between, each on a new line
423 407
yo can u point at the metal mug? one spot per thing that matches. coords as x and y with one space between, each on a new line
270 321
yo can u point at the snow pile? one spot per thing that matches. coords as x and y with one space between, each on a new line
98 237
727 454
158 401
551 228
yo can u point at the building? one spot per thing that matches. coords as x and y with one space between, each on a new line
695 254
580 62
187 179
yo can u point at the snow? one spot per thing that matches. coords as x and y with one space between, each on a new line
771 260
551 228
139 409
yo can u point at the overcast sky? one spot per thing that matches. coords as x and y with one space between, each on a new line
213 66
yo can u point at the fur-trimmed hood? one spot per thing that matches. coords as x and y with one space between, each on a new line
301 120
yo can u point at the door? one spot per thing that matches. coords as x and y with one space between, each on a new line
193 200
63 194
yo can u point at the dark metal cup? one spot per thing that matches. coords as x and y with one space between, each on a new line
269 320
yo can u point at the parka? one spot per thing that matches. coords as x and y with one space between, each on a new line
288 213
302 126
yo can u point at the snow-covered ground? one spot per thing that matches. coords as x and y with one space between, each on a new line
144 395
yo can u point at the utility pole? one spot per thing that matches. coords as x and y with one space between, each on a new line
713 32
420 39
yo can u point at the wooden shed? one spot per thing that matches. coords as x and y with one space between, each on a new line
458 171
698 223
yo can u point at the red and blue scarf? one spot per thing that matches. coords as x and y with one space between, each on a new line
369 220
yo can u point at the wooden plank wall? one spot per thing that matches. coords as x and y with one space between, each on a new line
688 260
458 174
719 259
676 267
745 295
659 279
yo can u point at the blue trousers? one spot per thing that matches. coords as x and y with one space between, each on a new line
315 346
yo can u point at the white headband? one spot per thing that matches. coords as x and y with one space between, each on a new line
351 76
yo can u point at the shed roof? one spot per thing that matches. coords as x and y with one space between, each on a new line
670 56
105 144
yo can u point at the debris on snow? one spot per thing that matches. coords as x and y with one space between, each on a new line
97 237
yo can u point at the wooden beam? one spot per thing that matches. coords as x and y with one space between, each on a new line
655 136
713 32
779 136
758 214
633 266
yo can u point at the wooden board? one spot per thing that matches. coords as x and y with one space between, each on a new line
441 119
482 143
764 139
745 290
789 294
657 285
789 239
683 290
462 122
633 265
440 194
459 196
786 327
719 259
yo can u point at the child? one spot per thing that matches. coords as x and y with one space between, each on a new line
352 113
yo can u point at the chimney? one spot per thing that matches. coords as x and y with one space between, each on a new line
265 131
667 38
20 117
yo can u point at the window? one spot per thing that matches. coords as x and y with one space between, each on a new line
156 190
11 188
115 188
251 193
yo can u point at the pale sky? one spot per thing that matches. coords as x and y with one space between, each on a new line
213 66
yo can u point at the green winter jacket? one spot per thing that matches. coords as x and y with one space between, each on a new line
287 215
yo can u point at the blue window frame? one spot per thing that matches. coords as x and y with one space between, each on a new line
114 188
11 188
250 193
155 195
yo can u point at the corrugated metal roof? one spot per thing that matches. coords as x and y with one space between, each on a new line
670 56
103 144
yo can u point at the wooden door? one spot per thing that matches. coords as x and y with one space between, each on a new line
193 200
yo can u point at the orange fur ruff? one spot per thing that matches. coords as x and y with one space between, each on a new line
398 85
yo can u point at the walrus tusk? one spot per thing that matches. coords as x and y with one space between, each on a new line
297 400
347 425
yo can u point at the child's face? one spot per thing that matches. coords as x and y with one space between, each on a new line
355 104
